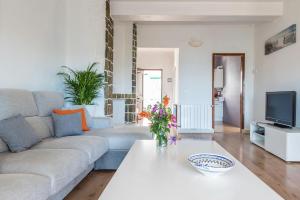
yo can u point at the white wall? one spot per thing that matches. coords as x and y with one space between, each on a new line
85 32
32 35
160 59
85 37
195 64
118 111
37 37
122 74
279 70
123 33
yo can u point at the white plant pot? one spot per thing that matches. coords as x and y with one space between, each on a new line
92 109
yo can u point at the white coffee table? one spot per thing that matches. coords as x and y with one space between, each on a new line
150 174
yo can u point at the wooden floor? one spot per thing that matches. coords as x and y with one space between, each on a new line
221 127
283 177
92 186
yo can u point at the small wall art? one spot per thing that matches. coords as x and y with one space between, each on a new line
283 39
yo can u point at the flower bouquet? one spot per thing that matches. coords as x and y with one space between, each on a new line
162 121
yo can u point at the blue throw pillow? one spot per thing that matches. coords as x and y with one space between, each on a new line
18 134
67 125
89 119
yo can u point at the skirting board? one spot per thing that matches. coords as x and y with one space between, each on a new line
196 131
246 131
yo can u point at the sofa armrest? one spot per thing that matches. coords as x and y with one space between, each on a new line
102 122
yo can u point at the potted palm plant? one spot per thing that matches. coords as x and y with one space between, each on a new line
82 87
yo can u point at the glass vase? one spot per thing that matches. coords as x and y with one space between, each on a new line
161 140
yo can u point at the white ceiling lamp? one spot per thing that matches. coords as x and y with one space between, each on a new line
195 43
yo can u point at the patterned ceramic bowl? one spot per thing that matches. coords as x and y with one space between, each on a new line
211 164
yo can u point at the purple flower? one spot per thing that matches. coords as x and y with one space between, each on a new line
173 140
169 125
154 109
161 112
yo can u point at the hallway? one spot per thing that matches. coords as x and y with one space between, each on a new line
221 127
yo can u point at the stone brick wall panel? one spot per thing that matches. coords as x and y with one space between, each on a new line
130 99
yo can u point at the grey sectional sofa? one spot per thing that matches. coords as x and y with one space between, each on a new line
52 168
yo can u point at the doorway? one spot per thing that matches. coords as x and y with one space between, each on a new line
150 87
228 73
157 73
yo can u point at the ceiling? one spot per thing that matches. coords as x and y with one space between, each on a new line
203 11
205 0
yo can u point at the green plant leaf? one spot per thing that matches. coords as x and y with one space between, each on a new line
82 86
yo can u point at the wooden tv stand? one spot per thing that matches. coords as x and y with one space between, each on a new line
282 142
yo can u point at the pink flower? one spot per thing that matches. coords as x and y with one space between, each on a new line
174 125
173 119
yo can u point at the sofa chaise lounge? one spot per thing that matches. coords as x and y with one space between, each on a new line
53 167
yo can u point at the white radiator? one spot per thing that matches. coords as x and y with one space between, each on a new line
195 118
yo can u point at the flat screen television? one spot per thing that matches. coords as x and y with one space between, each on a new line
281 108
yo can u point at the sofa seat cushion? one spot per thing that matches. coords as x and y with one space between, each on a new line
24 187
123 137
93 146
60 166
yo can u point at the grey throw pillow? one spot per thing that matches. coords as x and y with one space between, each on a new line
67 125
18 134
89 119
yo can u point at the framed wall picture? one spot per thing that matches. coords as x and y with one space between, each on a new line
283 39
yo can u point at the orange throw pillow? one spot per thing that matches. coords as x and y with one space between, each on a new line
68 112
